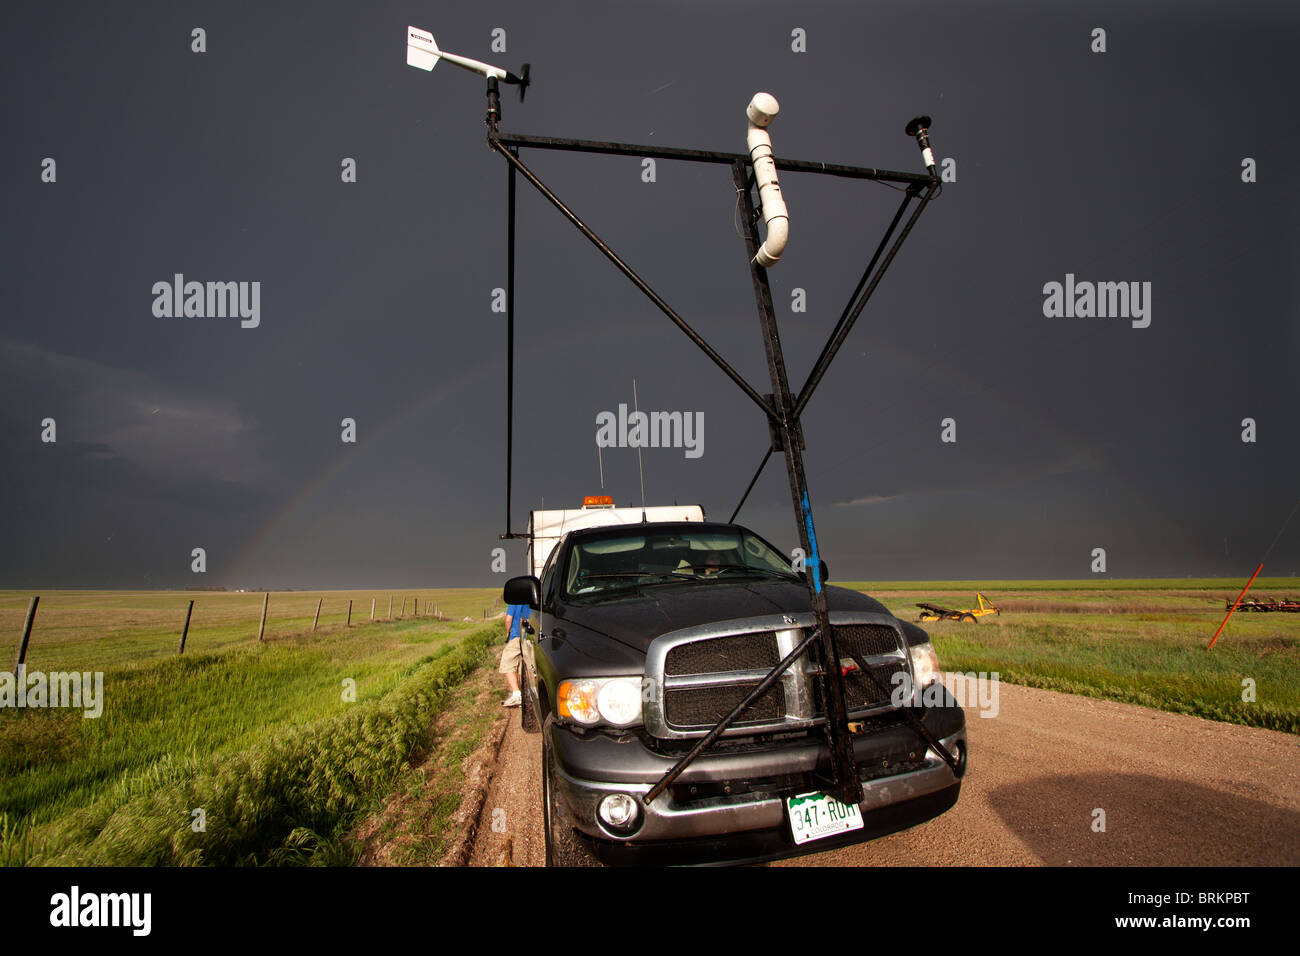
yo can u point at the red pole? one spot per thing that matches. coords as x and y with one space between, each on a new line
1235 603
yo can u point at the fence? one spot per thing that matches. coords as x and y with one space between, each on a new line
66 628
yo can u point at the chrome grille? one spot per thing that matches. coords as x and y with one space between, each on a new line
866 640
739 652
701 673
705 706
862 693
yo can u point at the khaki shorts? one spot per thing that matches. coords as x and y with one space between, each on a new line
511 657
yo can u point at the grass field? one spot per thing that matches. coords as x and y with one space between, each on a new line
1139 641
262 738
300 712
91 630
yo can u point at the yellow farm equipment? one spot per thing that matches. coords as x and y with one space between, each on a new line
932 612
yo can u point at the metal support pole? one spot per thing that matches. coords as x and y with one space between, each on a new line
493 118
510 335
27 633
847 786
710 156
186 629
753 481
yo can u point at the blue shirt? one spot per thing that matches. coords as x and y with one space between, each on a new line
518 614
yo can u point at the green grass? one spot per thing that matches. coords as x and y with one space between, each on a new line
1098 583
1145 642
415 827
242 714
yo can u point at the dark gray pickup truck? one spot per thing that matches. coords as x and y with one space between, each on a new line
650 634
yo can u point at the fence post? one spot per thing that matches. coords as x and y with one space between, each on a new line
349 612
316 619
27 633
390 597
403 605
372 609
186 629
261 629
417 607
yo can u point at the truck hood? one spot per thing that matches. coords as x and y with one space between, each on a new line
638 619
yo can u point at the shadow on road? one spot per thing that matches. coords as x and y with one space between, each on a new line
1149 821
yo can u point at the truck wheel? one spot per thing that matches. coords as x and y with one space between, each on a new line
527 704
563 848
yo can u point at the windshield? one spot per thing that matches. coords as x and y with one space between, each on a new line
635 558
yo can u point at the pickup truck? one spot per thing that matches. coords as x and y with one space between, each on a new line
649 634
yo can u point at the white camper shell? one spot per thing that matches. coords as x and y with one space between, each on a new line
546 528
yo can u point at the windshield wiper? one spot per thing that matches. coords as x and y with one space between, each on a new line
697 568
622 574
663 577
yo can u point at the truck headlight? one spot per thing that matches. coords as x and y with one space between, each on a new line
619 701
925 664
613 700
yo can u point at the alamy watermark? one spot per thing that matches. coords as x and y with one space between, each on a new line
208 300
70 689
1102 300
129 910
651 430
971 691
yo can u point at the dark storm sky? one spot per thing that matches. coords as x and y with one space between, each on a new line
1073 433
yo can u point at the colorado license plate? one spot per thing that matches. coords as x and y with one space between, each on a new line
816 815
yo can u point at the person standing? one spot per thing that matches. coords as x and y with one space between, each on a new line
516 616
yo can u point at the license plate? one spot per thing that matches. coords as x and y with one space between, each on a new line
816 815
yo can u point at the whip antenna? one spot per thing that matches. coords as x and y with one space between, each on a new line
637 409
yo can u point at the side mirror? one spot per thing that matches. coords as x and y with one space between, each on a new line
523 590
826 574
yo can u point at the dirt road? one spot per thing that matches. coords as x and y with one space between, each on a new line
1175 790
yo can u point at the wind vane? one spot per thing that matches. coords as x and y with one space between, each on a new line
422 52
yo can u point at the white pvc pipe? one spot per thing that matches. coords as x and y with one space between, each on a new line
761 111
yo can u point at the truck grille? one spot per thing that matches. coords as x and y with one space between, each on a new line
739 652
705 706
869 640
700 679
859 694
866 640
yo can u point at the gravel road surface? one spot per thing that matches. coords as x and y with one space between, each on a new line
1175 790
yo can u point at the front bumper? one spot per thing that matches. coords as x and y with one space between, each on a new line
749 826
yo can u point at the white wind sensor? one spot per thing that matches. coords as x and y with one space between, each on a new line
761 111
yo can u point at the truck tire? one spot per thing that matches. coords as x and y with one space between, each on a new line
527 703
563 848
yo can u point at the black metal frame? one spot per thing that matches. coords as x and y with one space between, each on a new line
781 407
